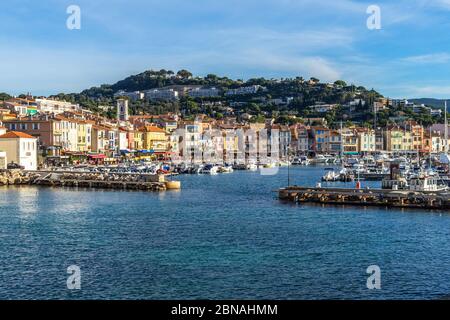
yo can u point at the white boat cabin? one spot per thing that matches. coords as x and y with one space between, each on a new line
426 184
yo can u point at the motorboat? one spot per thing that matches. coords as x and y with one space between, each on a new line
350 162
198 168
320 159
225 169
425 182
368 160
300 161
269 165
331 176
330 158
209 169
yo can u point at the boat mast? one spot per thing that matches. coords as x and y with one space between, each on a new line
431 150
342 147
446 127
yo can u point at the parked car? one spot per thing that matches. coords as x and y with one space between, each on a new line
13 165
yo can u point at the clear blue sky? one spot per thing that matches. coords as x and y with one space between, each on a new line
328 39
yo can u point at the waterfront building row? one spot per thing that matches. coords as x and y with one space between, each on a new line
77 132
410 137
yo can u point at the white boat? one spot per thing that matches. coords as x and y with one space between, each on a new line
284 163
209 169
359 168
351 162
197 168
444 158
269 165
251 167
225 169
423 182
300 161
368 160
320 159
304 161
330 159
331 176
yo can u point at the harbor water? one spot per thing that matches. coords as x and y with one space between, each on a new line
222 236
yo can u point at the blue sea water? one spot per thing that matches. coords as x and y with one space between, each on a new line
220 237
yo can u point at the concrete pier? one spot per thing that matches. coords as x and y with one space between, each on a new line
367 197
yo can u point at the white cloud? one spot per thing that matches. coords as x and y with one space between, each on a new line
441 3
419 90
308 66
47 71
433 90
435 58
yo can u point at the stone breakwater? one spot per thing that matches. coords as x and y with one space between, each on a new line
17 177
88 180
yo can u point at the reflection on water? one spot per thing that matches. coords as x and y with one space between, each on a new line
27 201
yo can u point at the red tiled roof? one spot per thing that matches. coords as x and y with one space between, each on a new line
154 129
16 134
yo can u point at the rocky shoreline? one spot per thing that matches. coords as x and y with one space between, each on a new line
17 177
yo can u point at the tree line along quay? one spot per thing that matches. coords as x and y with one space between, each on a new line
192 119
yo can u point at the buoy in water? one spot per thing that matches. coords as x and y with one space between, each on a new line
173 185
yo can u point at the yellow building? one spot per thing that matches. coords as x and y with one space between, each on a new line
5 115
366 140
82 145
350 143
417 133
138 140
394 139
155 139
407 141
